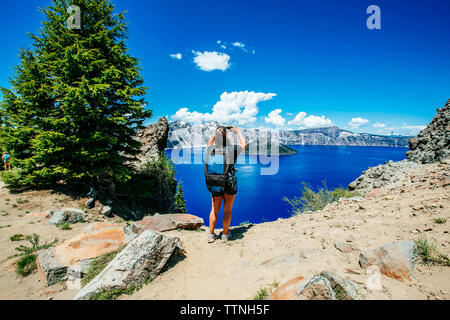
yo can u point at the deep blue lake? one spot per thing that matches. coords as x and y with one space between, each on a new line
259 196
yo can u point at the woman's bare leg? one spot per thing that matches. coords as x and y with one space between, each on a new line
227 208
216 203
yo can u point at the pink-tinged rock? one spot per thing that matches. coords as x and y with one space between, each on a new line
187 221
287 291
78 252
167 222
374 193
43 215
345 247
396 260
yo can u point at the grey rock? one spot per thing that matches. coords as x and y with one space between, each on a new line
53 271
58 218
154 141
343 289
316 288
143 258
107 211
67 215
328 286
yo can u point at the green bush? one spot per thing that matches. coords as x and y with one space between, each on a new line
429 254
64 226
17 237
311 200
35 246
152 188
26 265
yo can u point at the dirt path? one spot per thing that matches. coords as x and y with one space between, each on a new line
262 256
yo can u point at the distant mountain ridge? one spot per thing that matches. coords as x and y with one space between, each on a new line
184 135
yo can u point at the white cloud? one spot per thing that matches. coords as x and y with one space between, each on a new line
210 61
302 120
239 45
234 107
275 118
177 56
379 125
355 123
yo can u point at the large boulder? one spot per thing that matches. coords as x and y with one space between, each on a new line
327 286
396 260
167 222
433 143
143 258
67 215
54 264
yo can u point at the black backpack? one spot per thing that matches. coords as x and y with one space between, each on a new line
217 167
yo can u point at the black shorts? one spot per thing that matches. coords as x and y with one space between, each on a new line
230 186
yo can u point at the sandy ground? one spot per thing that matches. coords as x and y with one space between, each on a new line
262 256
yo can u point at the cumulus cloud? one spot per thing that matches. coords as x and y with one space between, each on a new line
356 123
234 107
302 120
212 60
275 118
176 56
379 125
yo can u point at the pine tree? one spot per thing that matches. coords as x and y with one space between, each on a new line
180 203
76 100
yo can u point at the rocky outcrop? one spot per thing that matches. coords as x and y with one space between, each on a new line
433 143
142 259
396 260
154 140
167 222
381 176
54 264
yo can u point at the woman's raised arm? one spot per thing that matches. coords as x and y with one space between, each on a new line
241 138
211 141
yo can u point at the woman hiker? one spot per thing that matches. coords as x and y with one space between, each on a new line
6 161
221 141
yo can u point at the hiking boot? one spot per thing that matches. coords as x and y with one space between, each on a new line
226 237
211 238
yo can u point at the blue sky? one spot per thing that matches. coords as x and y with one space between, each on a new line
279 64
